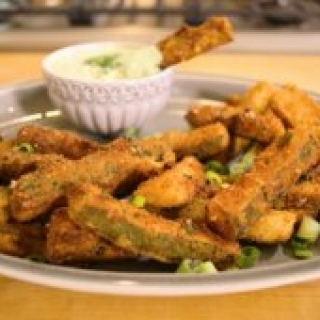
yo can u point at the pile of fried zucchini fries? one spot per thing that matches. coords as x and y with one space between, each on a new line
71 200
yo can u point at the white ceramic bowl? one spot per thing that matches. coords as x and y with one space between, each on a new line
106 106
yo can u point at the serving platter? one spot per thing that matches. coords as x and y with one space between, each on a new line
28 103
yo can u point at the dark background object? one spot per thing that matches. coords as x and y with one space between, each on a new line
254 14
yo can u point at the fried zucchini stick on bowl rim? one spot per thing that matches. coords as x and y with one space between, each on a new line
188 42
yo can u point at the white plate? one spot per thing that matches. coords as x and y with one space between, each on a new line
28 103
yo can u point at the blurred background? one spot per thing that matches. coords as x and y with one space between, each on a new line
261 25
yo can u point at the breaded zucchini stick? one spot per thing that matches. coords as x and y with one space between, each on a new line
274 226
203 142
39 191
189 42
13 163
275 170
143 233
49 140
68 242
5 145
262 127
305 196
294 106
174 187
313 174
22 240
155 150
4 205
203 113
196 210
258 97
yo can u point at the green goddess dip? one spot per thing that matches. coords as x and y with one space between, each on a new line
109 62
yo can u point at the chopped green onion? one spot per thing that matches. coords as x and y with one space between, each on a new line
309 229
24 147
306 236
214 178
196 266
206 267
138 201
299 244
243 164
301 248
217 167
303 254
106 61
131 132
248 257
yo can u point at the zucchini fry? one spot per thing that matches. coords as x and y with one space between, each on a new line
68 242
203 142
295 107
275 226
276 168
4 205
14 164
188 42
174 187
143 233
22 240
49 140
258 97
205 112
262 127
304 196
42 190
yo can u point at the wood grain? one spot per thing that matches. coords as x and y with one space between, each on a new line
19 300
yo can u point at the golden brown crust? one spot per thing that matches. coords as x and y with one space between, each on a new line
204 113
174 187
49 140
42 190
258 97
189 42
260 127
14 163
203 142
305 196
274 171
274 226
295 107
22 240
4 205
144 233
68 242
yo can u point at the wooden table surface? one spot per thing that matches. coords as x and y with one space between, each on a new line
26 301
